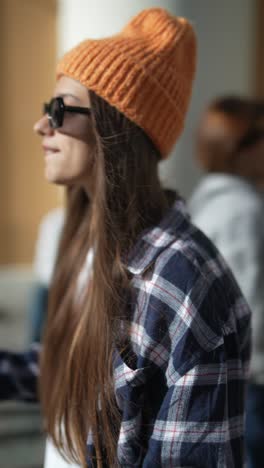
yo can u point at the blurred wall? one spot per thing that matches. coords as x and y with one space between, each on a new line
226 50
27 54
259 58
226 34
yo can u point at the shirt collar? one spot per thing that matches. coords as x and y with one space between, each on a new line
154 240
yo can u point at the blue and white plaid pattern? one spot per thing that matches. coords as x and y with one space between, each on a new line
182 402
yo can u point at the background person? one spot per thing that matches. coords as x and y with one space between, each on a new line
228 205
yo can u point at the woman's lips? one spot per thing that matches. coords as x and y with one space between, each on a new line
49 150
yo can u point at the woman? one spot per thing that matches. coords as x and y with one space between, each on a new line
147 343
228 205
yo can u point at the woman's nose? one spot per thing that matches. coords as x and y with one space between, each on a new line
42 127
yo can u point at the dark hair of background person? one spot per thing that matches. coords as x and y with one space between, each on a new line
229 126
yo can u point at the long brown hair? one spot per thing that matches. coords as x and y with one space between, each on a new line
76 383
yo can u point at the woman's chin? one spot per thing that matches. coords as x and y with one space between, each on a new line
54 178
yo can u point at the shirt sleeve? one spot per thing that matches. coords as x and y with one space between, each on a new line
200 417
19 374
194 427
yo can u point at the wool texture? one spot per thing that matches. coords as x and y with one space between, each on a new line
146 71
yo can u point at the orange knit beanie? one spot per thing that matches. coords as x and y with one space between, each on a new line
146 72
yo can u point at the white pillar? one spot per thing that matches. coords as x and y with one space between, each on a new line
78 19
225 33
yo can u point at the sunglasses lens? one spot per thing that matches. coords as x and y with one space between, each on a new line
55 113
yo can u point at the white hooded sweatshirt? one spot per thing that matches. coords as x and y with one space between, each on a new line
230 211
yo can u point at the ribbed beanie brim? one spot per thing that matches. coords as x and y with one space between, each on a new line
146 72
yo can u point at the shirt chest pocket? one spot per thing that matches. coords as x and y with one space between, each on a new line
129 385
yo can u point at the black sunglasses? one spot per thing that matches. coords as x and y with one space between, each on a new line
56 109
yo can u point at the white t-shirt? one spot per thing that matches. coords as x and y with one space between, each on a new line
49 233
53 458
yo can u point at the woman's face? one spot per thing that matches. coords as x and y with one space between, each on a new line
69 150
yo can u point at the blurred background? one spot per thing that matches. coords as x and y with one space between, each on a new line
34 33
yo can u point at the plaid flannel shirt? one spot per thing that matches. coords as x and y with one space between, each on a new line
182 401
